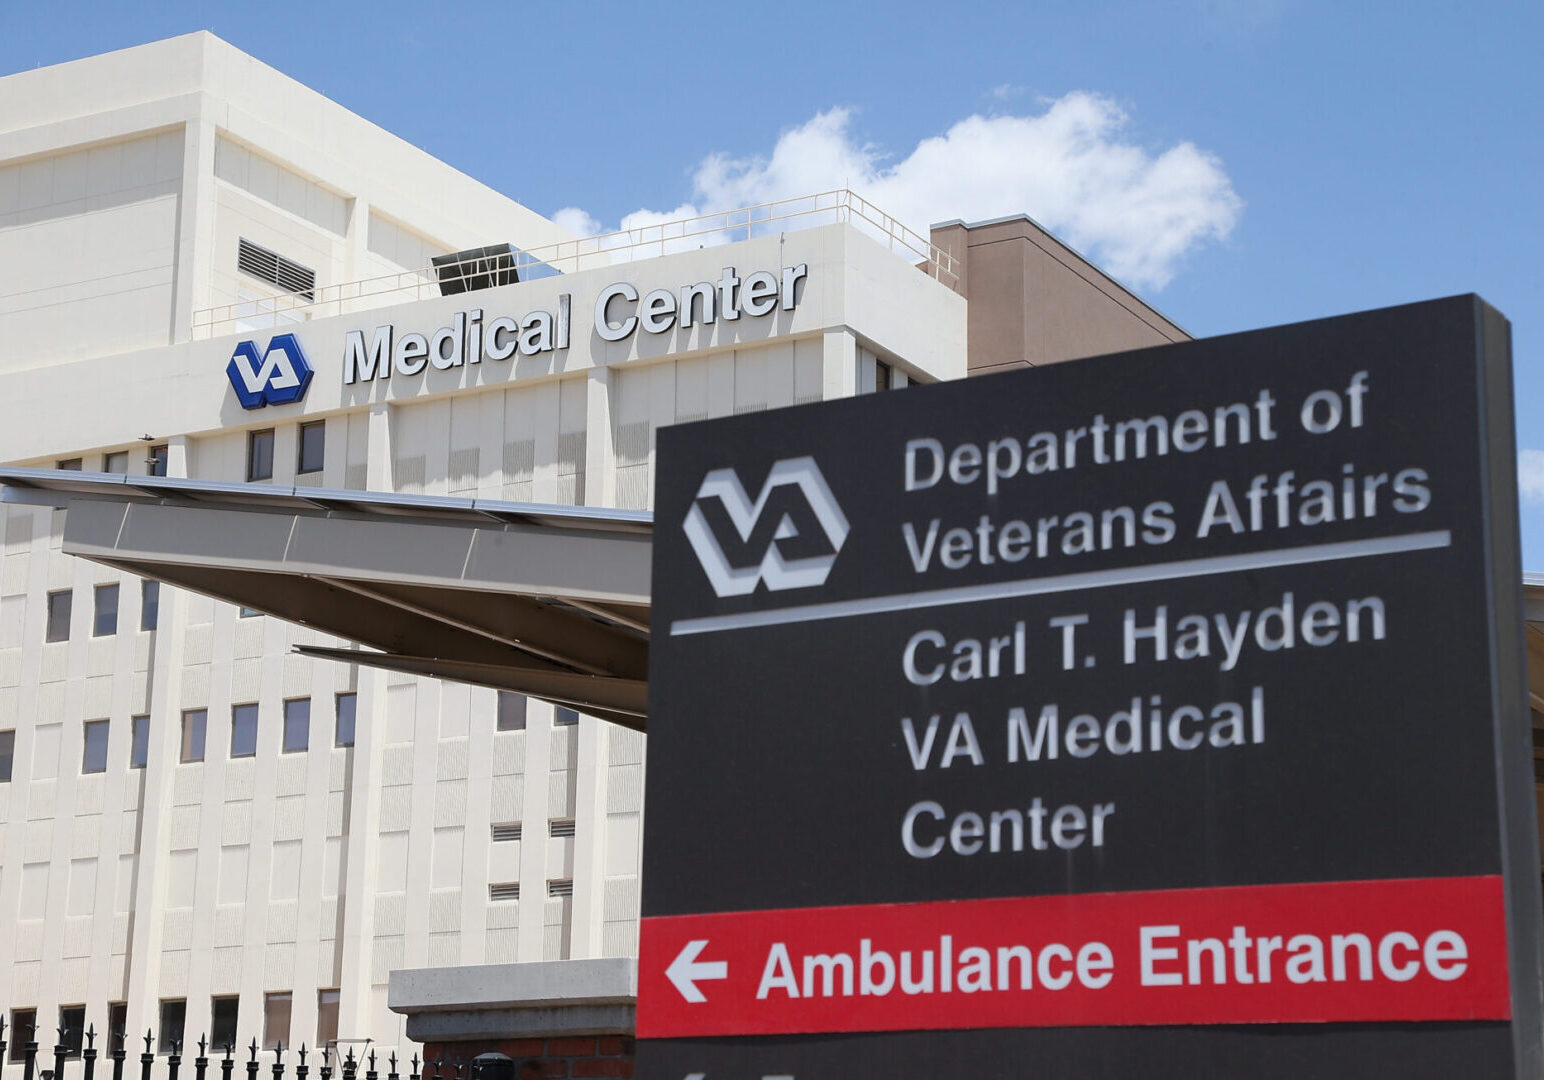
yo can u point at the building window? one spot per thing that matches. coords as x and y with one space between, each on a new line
248 613
505 832
7 755
149 605
560 827
72 1018
222 1022
883 377
23 1025
563 716
511 711
139 747
260 455
195 728
243 730
297 725
116 463
70 464
276 1019
174 1015
345 729
156 462
326 1017
313 445
59 616
117 1024
561 887
105 622
95 757
504 890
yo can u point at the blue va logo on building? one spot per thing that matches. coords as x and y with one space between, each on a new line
277 377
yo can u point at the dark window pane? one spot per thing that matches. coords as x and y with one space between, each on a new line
139 750
313 442
243 730
276 1019
222 1022
156 462
297 725
511 711
260 455
882 377
564 717
22 1023
106 621
7 755
117 1025
58 616
345 729
174 1015
195 727
72 1018
95 757
116 463
149 605
249 613
70 464
326 1017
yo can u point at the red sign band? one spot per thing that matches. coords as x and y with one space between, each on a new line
1412 950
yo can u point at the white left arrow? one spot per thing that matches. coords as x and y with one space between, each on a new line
686 969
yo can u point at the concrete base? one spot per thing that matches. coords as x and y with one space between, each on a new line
508 1001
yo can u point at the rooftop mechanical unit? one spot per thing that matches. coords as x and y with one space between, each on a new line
476 268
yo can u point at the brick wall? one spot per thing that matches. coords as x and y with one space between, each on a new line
572 1056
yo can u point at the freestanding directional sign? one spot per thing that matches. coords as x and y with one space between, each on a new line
1157 715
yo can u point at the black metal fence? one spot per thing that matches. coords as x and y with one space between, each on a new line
78 1061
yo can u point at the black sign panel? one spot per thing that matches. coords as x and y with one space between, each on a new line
1149 712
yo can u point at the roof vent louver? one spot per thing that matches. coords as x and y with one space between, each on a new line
506 831
504 890
275 269
560 888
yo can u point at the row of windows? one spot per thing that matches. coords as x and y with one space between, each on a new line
195 728
296 738
511 713
104 616
507 831
310 453
500 891
118 462
223 1017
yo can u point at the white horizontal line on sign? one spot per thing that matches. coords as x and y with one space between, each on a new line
1095 579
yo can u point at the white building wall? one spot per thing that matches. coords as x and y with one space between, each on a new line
297 872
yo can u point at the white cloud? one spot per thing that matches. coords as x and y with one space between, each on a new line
1530 475
1135 212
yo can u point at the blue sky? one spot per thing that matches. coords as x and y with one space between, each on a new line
1241 162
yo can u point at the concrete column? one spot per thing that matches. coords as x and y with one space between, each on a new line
600 476
195 222
534 815
839 365
361 845
378 457
589 921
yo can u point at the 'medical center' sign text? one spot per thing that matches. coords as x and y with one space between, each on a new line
1100 720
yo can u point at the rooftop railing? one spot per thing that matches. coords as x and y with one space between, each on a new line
841 206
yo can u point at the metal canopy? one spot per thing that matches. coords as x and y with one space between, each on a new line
551 601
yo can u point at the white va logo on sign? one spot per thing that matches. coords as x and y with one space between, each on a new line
777 571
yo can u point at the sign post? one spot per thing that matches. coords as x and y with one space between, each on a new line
1155 715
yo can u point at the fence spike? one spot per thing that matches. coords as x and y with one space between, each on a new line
230 1048
372 1060
302 1053
91 1036
254 1048
278 1053
149 1038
